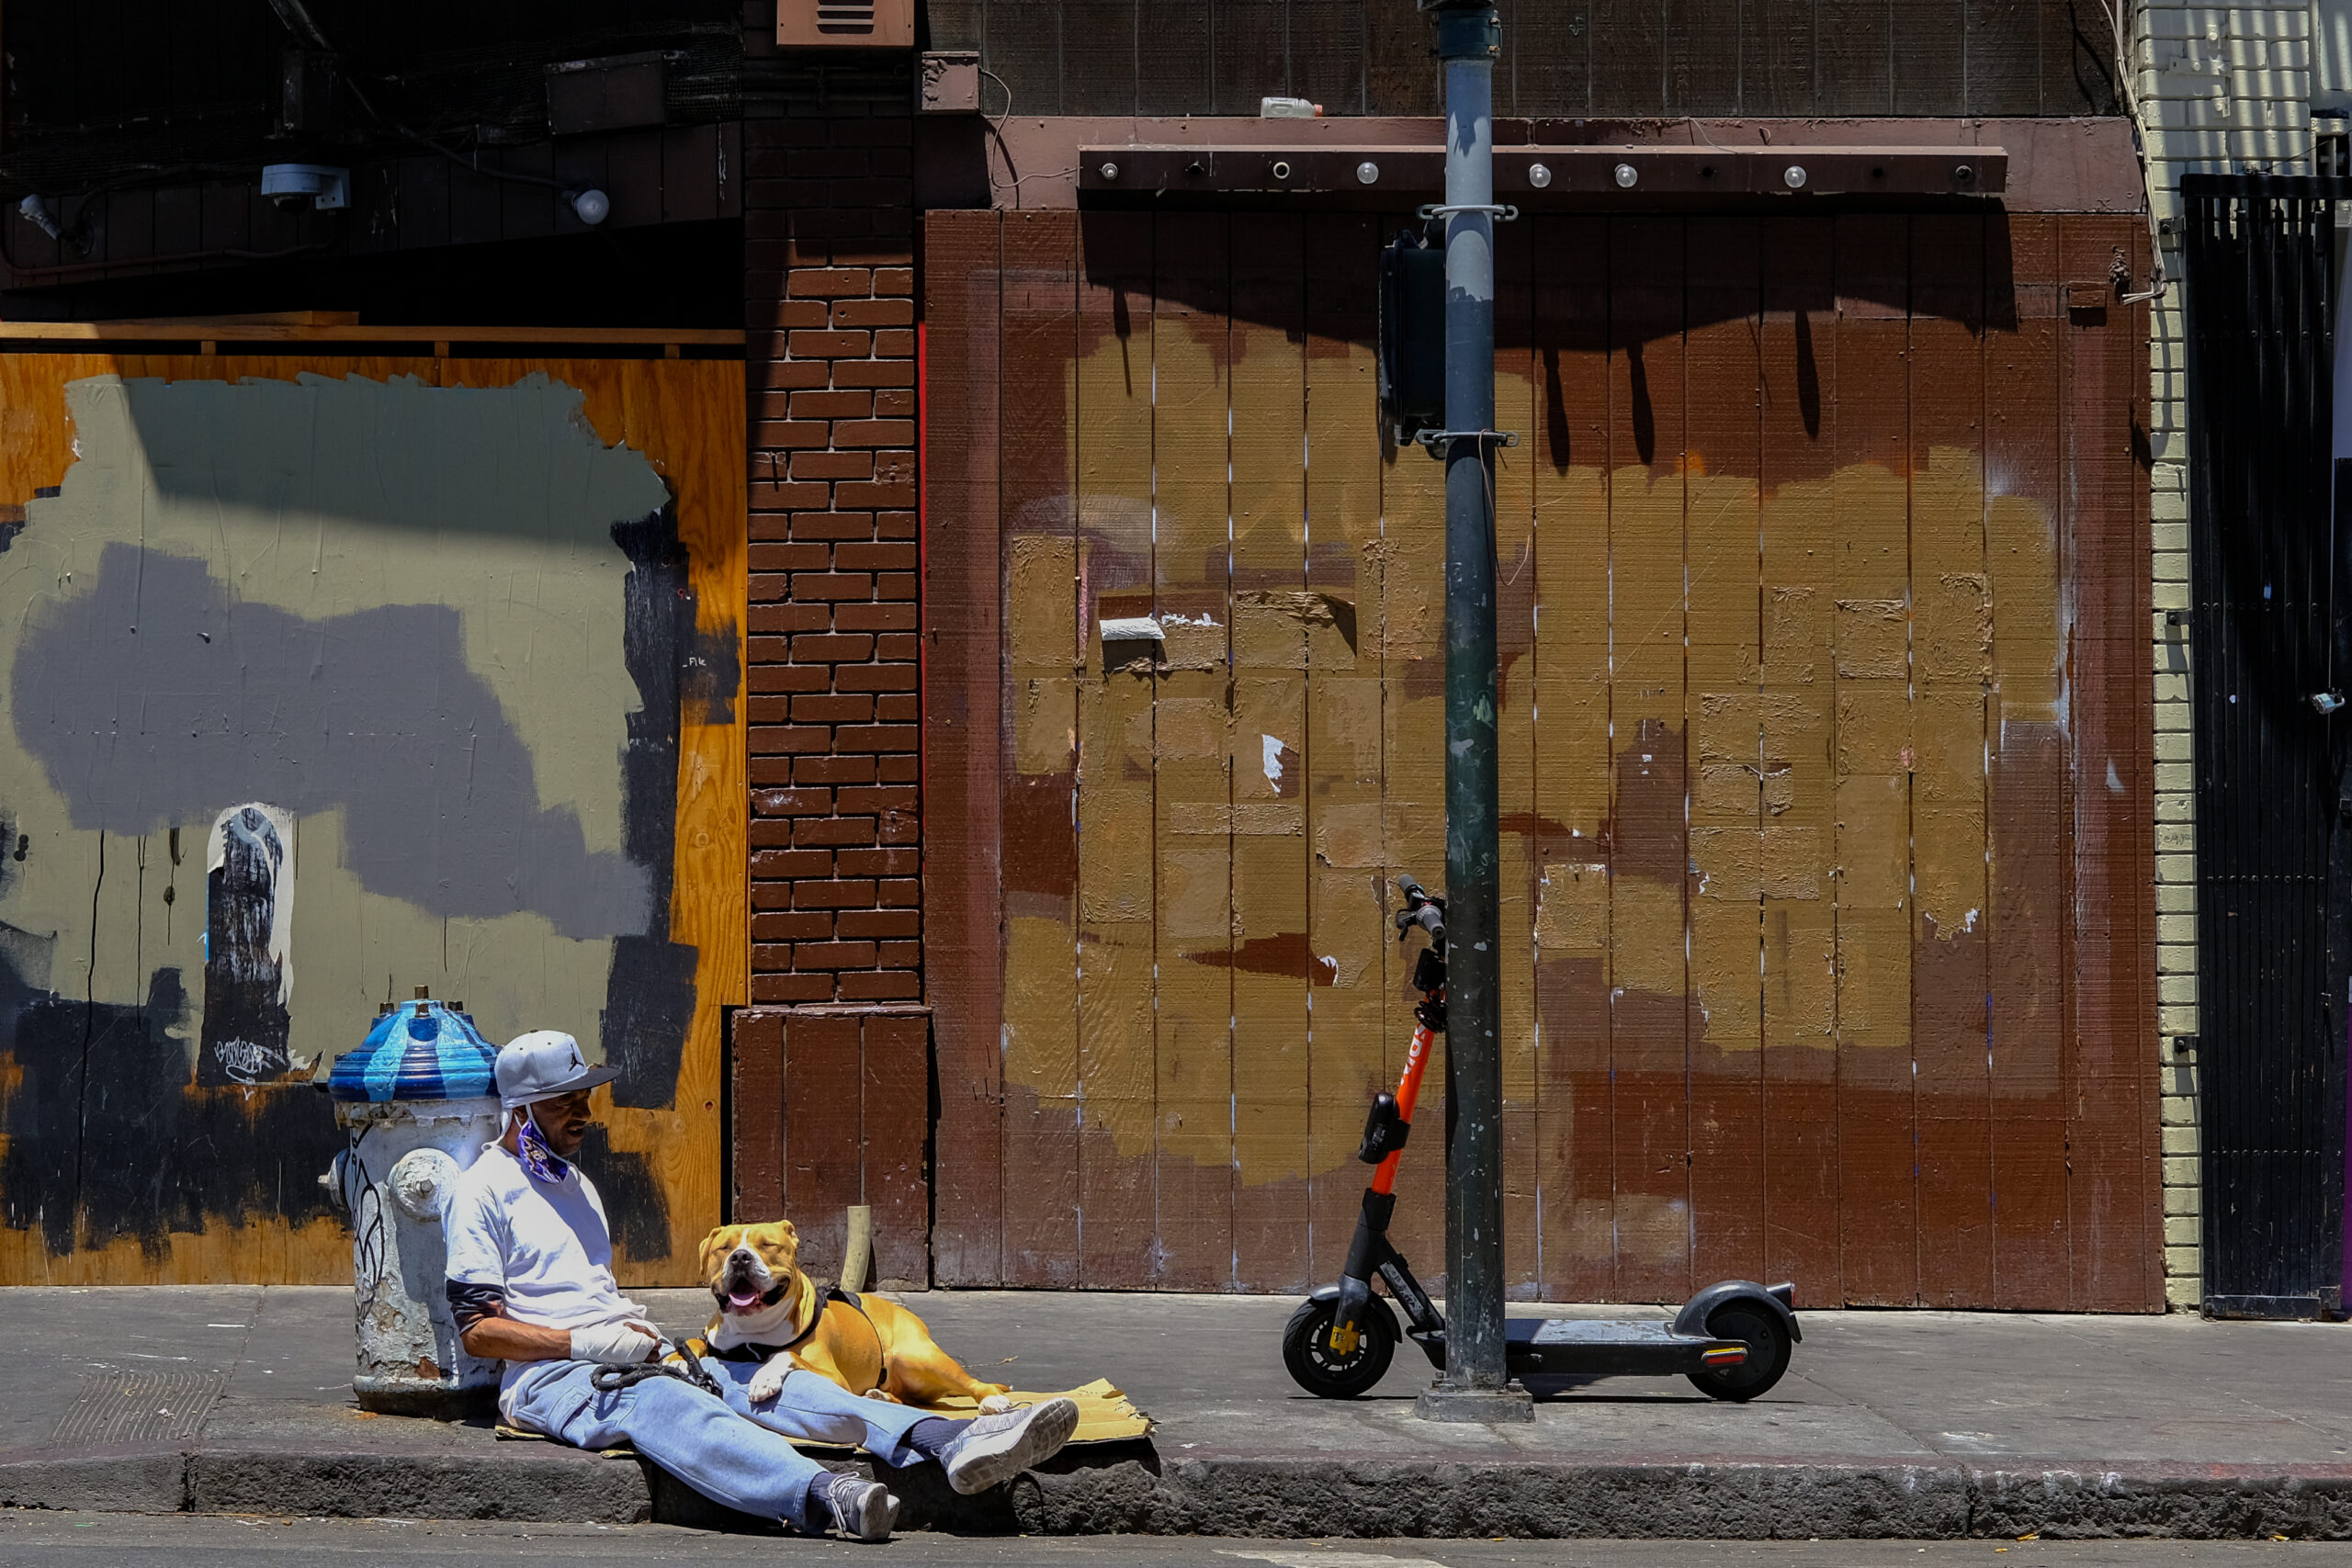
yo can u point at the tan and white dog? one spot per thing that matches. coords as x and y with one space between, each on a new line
770 1310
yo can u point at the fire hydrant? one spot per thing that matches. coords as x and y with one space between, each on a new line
419 1099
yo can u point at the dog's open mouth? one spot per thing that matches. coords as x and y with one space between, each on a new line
741 1289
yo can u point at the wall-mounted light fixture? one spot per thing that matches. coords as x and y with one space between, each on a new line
293 186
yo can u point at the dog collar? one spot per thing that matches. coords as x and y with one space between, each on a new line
806 1310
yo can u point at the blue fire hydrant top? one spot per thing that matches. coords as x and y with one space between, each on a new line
421 1050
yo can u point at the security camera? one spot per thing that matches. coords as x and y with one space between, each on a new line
293 186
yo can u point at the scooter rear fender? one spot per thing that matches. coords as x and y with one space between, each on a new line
1776 1299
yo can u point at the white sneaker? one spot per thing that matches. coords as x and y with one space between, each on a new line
862 1509
995 1449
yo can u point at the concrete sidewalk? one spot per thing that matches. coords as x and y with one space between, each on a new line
1921 1424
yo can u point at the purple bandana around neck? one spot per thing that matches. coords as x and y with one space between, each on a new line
542 1162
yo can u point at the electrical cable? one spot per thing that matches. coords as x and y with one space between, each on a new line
298 21
2119 15
1005 148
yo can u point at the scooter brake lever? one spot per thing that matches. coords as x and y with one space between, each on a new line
1429 916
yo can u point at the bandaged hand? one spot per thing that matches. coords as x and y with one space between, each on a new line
613 1344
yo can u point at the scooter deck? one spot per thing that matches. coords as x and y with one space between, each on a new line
1605 1347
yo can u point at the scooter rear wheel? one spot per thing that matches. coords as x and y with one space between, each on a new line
1768 1352
1325 1372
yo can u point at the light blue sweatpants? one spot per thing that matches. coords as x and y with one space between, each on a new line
731 1452
815 1408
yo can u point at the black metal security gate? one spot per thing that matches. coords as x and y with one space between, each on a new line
2270 593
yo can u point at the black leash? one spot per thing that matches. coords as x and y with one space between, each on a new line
688 1369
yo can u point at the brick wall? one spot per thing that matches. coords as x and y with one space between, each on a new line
836 811
2221 87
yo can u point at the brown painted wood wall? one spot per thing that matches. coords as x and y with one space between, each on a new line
1826 779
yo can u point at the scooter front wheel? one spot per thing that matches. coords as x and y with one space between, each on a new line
1329 1373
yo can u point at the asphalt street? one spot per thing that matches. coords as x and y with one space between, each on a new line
139 1540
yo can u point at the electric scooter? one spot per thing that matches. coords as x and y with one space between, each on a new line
1733 1339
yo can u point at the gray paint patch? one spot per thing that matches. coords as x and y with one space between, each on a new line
349 448
154 695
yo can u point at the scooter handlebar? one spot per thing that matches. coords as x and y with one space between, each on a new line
1429 916
1420 909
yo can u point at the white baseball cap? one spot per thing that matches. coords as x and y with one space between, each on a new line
542 1065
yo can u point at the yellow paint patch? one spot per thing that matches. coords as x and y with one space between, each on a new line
1188 727
1263 819
1873 638
1790 863
1041 615
1045 725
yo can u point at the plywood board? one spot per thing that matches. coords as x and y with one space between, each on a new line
1572 487
1722 716
1193 719
2027 789
1870 655
1036 466
1412 622
1347 929
679 820
963 709
1776 635
1516 581
1116 867
1951 662
1798 345
1274 619
1649 844
2112 1090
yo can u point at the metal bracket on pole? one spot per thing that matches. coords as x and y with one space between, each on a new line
1430 438
1505 213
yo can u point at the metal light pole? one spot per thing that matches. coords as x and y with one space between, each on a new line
1473 1388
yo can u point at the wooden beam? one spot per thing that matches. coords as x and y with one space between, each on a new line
275 330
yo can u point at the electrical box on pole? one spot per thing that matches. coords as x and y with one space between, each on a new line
1412 336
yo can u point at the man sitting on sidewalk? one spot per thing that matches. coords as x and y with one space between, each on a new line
531 1283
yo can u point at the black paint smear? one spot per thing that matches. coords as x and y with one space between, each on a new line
12 523
648 1008
247 1031
633 1202
144 1153
649 990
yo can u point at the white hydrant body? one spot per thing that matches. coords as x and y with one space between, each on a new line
418 1102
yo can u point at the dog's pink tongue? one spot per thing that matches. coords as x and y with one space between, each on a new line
742 1300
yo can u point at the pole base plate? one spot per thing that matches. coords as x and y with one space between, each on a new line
1489 1406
